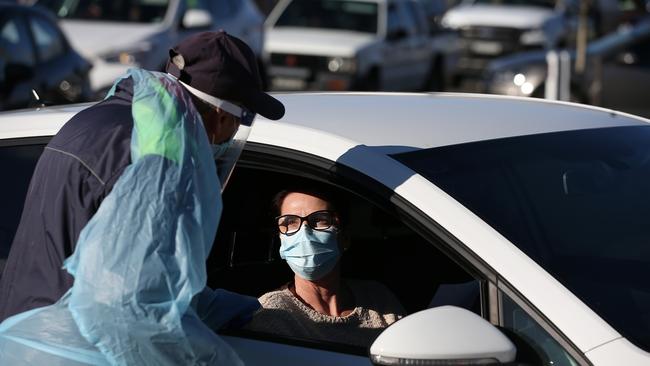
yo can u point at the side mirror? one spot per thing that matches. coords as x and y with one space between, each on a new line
396 34
446 335
197 18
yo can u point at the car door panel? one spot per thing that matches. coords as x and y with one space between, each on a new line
262 353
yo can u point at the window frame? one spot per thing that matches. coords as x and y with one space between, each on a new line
493 286
297 163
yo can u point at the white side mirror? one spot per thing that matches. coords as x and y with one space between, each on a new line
440 336
197 18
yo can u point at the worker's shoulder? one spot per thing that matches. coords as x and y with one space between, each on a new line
98 127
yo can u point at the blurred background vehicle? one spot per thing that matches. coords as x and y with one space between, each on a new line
352 45
616 73
37 64
119 34
493 28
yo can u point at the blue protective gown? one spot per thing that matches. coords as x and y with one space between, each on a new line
139 263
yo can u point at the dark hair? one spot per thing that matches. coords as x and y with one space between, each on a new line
321 191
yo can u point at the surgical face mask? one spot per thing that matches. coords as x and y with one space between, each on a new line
311 254
218 150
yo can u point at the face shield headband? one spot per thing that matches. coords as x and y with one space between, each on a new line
245 116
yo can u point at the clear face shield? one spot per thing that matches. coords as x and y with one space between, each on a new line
227 153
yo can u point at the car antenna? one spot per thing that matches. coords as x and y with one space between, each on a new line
37 99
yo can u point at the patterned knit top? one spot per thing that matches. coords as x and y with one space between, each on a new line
284 314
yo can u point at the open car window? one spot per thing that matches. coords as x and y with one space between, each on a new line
383 248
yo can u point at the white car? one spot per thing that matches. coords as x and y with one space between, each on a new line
116 36
351 45
511 229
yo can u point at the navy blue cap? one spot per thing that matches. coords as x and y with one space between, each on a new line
222 66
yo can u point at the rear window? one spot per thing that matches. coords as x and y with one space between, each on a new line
578 203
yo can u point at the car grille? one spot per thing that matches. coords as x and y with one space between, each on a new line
482 44
312 63
505 35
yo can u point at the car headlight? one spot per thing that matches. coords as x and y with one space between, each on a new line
533 37
342 64
130 57
521 82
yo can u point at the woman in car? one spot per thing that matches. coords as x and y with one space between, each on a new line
319 304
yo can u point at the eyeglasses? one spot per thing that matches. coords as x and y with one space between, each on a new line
318 220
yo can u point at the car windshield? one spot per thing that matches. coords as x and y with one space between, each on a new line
358 16
577 202
133 11
542 3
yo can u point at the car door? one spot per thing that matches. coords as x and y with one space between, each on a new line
625 78
18 62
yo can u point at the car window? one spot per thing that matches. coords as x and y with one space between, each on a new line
49 44
575 202
384 248
17 162
15 44
539 347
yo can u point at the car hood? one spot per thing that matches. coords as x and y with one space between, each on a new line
311 41
519 17
92 38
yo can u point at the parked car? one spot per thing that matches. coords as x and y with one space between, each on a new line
528 217
119 35
351 45
493 28
617 72
37 64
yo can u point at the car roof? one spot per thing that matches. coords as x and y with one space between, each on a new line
395 121
403 121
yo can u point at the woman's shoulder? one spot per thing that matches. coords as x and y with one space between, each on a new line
280 298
